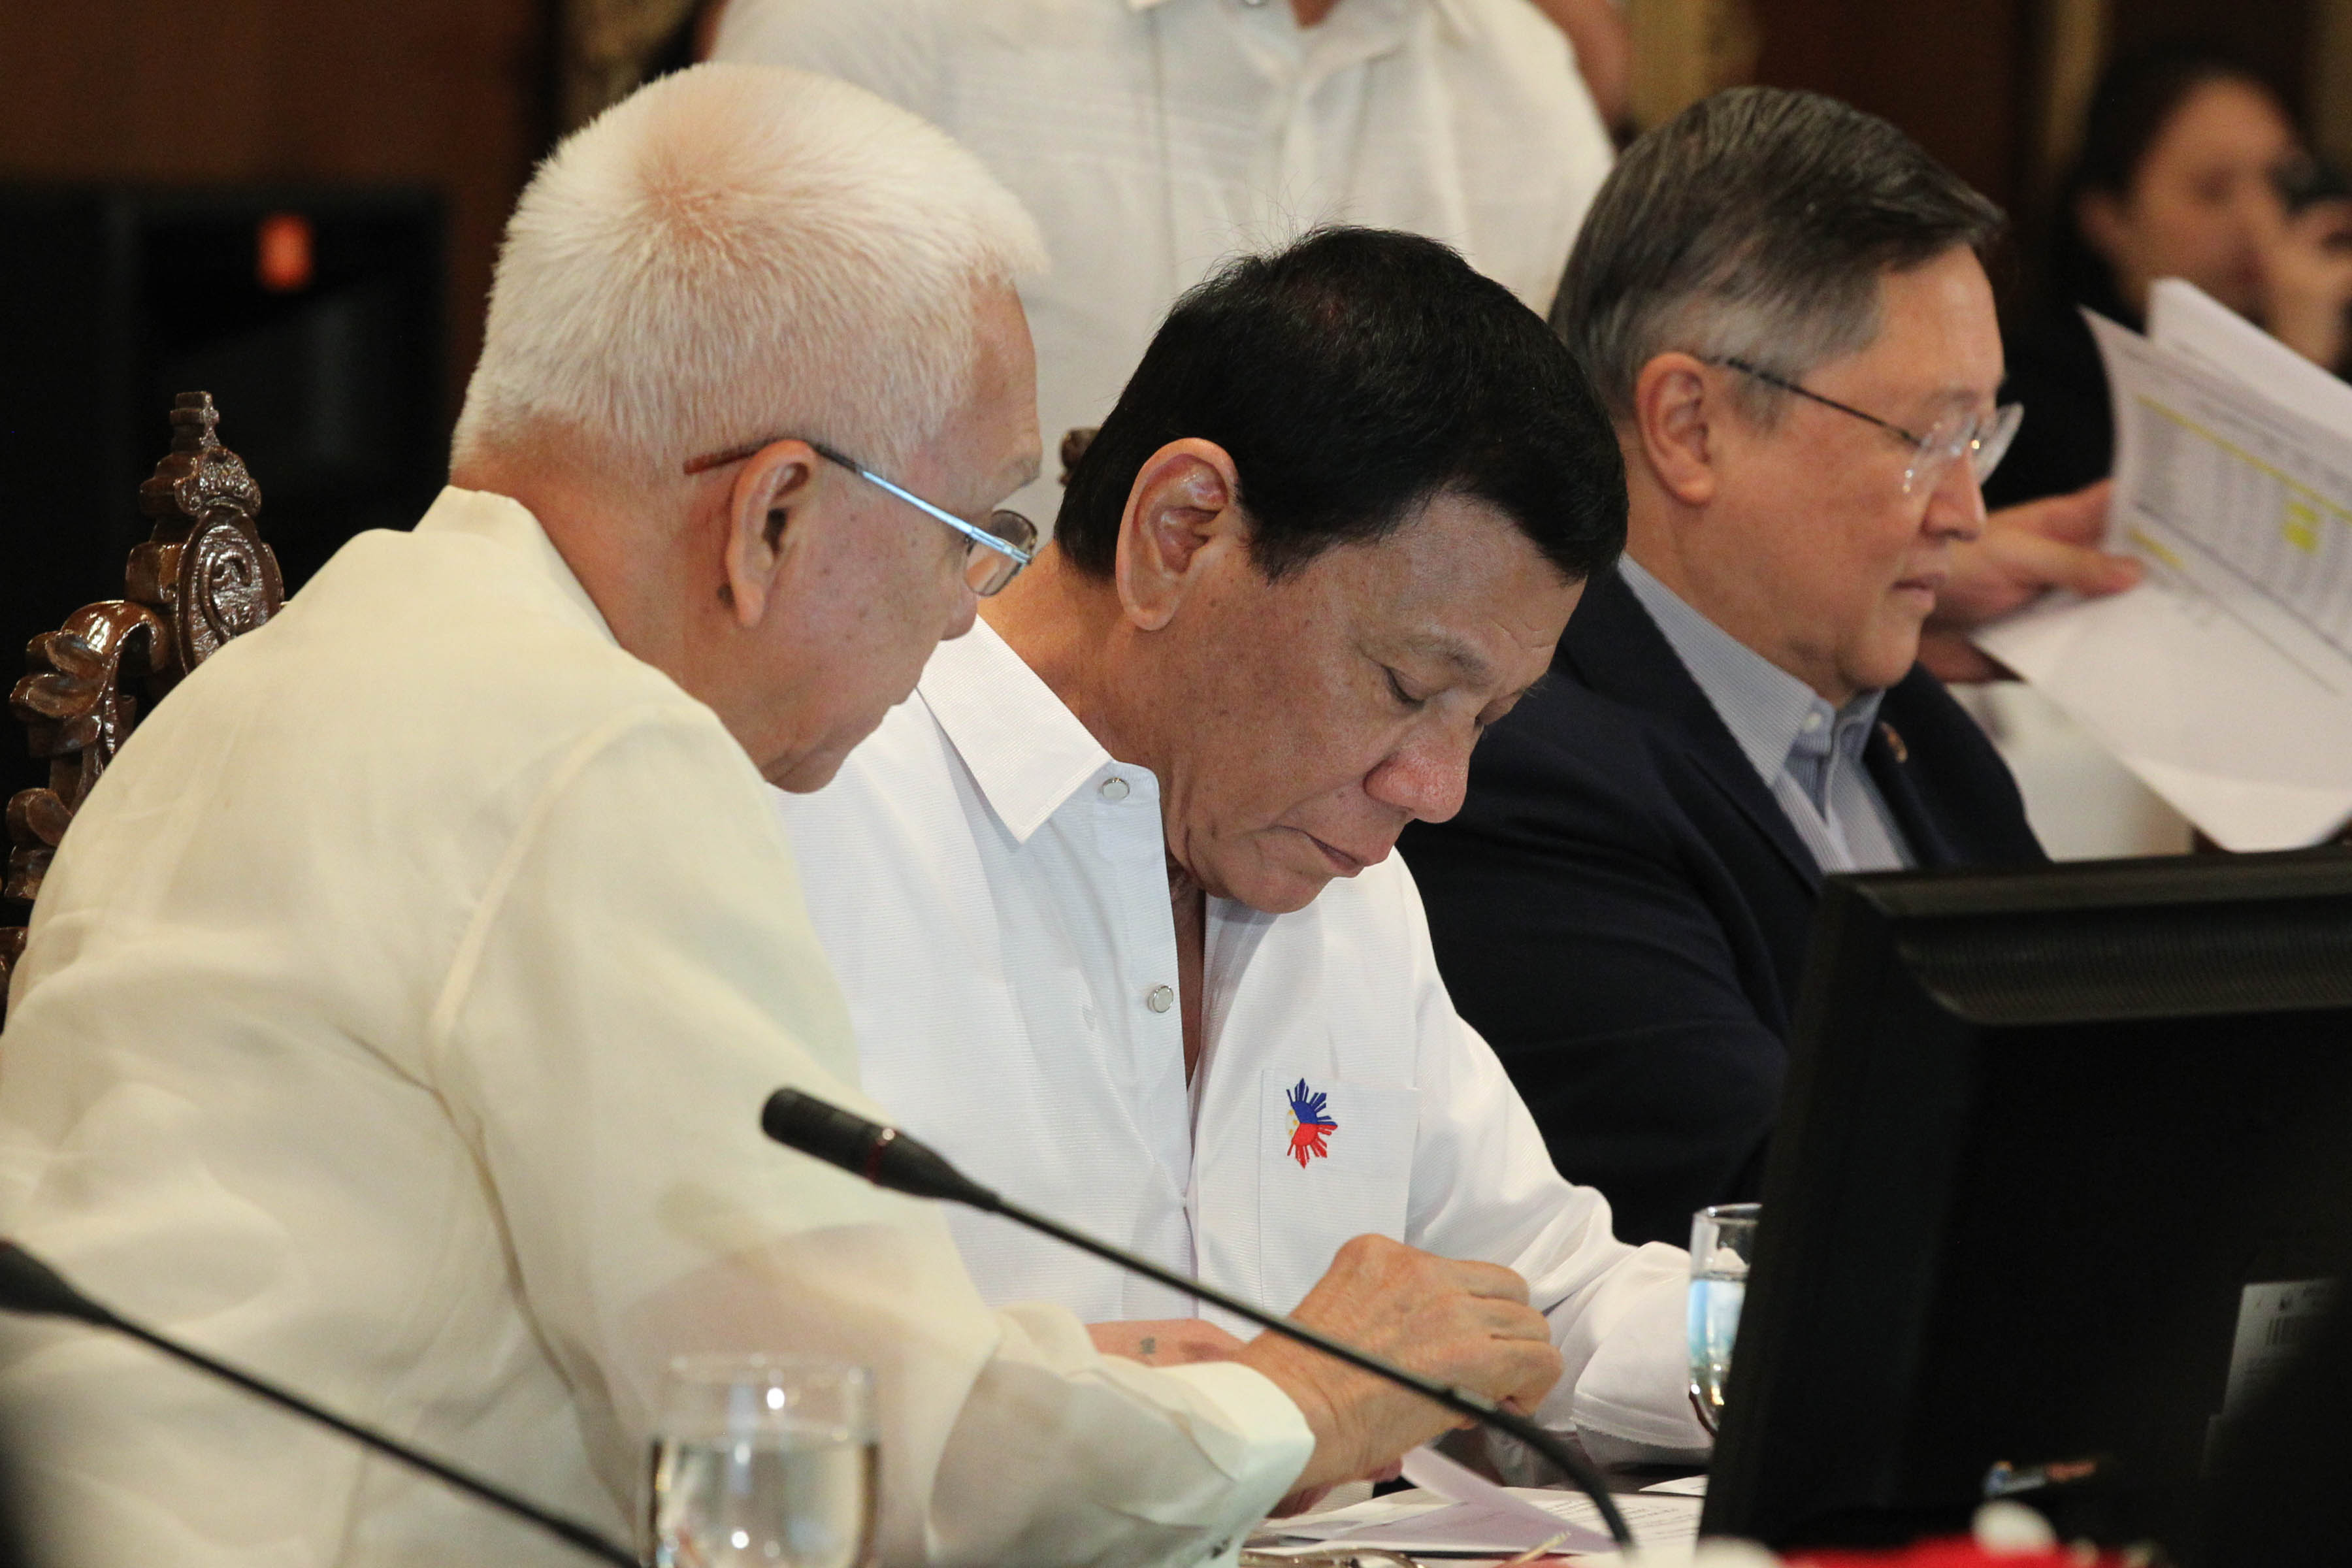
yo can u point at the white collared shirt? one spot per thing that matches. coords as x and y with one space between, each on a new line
396 1023
1153 138
992 889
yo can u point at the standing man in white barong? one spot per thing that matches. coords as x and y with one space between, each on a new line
1141 821
1152 139
398 1010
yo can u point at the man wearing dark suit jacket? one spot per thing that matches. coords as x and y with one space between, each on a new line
1782 302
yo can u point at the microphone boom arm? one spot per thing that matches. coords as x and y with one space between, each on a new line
30 1285
889 1158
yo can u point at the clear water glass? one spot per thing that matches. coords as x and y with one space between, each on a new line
1723 1241
764 1462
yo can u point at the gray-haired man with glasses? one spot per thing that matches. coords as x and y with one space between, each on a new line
1782 302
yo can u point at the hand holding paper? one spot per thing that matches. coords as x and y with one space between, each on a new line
2023 553
2225 682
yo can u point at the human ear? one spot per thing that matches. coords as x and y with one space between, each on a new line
762 506
1676 404
1182 515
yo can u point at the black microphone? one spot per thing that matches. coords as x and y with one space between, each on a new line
889 1158
31 1287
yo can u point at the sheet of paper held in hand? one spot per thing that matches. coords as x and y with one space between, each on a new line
2225 681
1458 1515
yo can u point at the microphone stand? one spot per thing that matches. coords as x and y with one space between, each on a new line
889 1158
30 1287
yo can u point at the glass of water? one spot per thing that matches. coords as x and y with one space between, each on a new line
1723 1240
766 1460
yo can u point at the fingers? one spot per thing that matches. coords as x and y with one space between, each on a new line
1490 1281
2028 550
2079 517
2321 224
2035 562
1530 1373
1462 1323
1952 659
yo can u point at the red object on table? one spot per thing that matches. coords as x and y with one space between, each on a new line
1959 1552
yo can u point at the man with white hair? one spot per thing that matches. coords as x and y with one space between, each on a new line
396 1015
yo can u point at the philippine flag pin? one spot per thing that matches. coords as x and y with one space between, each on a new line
1309 1125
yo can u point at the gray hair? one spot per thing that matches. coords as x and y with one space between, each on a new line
1756 225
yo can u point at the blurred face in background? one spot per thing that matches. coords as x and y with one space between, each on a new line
2202 200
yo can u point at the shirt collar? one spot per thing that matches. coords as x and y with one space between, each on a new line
1765 709
1024 748
506 521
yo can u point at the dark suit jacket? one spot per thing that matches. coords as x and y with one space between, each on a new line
1622 908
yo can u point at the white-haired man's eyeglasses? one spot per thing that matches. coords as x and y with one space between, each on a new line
994 555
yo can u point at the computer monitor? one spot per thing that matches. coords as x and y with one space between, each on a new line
2043 1190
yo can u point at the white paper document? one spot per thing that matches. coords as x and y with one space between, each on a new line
1681 1486
2225 681
1455 1512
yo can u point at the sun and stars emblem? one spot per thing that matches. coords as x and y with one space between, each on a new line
1309 1125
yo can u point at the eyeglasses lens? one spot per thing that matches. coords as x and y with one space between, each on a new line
988 571
1984 442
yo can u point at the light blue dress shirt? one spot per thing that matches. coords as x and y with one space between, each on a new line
1808 754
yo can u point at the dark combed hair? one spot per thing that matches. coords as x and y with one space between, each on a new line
1352 378
1757 223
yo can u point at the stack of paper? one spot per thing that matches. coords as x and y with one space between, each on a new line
1453 1513
2225 681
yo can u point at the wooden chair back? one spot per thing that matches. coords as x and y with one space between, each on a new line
202 577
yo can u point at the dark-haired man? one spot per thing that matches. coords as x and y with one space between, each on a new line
1780 301
1112 899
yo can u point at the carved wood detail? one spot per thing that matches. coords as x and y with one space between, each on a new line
204 576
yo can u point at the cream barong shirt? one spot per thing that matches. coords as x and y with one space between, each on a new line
991 887
1153 139
395 1024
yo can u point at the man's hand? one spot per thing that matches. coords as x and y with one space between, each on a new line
2023 552
1165 1341
1466 1323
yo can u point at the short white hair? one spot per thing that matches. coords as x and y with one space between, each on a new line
737 253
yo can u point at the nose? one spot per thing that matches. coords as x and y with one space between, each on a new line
1956 507
1425 778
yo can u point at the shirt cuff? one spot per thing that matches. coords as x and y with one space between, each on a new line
1636 1387
1265 1442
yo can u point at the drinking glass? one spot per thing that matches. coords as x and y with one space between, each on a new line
1723 1240
766 1460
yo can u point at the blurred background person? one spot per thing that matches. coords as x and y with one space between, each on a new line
1153 138
2191 167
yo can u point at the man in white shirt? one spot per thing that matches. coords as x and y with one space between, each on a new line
1153 138
398 1010
1112 899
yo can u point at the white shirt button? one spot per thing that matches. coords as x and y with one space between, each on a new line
1813 722
1159 998
1114 789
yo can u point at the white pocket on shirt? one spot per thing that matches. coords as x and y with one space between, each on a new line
1335 1161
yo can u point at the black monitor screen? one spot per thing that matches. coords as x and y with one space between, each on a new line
2043 1191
